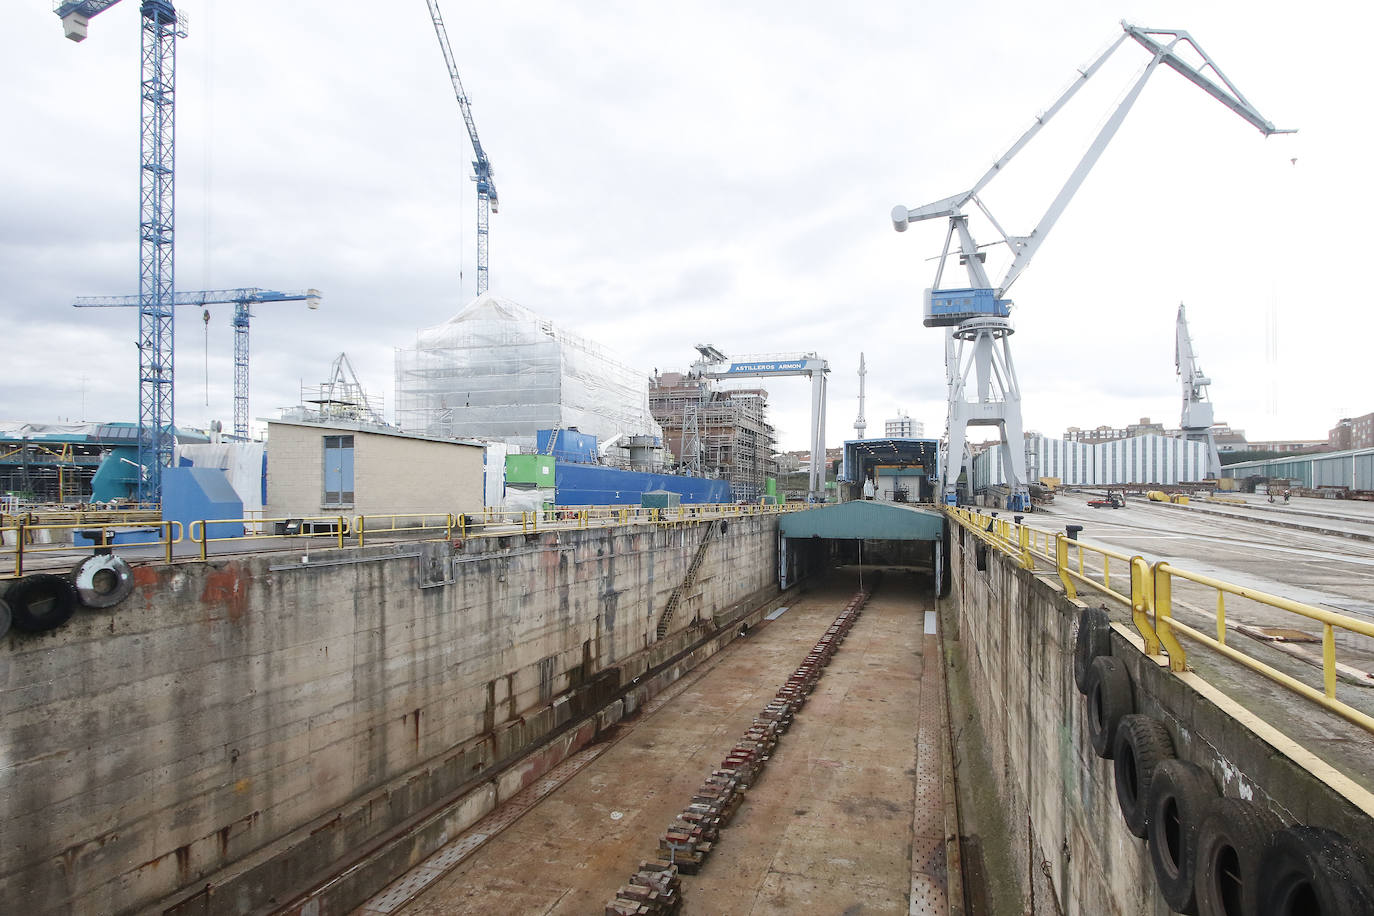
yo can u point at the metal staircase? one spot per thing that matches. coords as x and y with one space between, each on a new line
675 599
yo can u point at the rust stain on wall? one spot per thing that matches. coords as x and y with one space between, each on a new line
225 588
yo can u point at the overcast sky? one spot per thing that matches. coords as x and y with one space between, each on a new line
698 173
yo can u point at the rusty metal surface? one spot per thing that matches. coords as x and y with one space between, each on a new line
828 827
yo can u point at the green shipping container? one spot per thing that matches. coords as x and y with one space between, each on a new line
534 470
660 499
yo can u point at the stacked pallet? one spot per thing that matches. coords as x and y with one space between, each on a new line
689 839
654 889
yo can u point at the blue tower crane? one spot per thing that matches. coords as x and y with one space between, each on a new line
156 223
243 301
487 199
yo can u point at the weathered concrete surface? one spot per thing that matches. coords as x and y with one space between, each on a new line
829 828
235 728
1011 642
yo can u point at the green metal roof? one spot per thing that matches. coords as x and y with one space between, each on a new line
862 518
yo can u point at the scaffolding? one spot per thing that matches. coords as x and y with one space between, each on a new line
716 433
341 397
497 370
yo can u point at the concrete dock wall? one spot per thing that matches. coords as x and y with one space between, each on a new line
1010 635
221 739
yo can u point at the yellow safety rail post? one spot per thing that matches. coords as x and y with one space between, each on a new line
1142 603
1023 538
19 550
1329 660
203 538
167 538
342 529
1164 614
1221 617
1061 563
361 522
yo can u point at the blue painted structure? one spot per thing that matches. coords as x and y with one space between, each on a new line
567 445
596 485
195 494
946 307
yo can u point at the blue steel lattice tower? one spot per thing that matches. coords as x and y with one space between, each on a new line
487 198
156 223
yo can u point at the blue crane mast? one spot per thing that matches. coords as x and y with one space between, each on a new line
487 199
156 224
243 301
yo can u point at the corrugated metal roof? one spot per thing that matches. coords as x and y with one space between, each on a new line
861 518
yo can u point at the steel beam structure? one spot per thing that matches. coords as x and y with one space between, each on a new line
243 301
156 258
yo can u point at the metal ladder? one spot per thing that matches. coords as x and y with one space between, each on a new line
675 599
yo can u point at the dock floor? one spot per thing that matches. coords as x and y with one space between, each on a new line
847 817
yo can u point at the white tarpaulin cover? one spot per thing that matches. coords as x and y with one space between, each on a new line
496 370
241 463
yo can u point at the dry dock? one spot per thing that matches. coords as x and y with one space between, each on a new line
848 815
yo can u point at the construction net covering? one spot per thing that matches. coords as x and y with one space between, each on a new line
497 370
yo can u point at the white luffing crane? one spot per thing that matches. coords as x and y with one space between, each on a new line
1197 409
978 316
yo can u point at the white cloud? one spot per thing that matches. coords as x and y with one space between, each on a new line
699 173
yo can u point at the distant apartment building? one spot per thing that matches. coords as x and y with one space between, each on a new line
903 427
1352 432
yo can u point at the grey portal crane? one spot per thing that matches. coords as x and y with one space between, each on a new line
1197 409
807 364
977 316
487 199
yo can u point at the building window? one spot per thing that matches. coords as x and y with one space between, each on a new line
338 471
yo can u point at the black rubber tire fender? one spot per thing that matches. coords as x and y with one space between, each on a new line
103 580
1109 698
1230 840
1142 743
5 618
41 602
1094 638
1313 870
1181 793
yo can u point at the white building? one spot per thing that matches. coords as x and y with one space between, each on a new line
1139 459
903 427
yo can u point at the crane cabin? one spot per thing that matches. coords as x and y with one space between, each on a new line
948 307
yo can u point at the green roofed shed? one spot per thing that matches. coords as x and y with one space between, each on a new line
867 520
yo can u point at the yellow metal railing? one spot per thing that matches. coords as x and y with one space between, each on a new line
25 540
22 537
1164 574
1149 596
335 527
408 523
